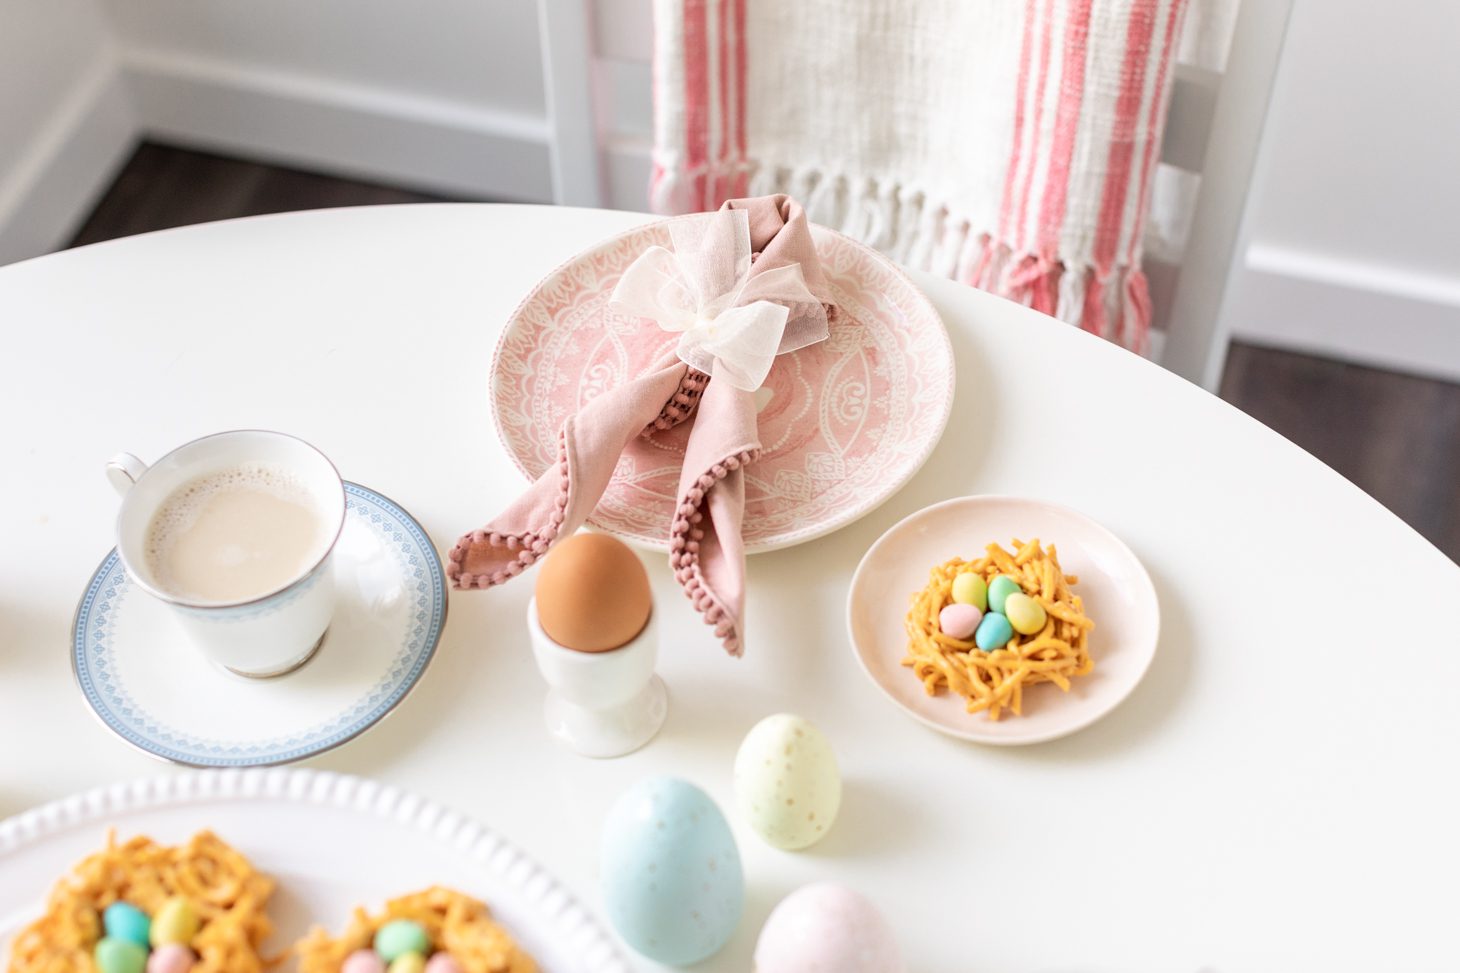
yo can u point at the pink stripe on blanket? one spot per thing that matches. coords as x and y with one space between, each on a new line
718 184
696 97
1123 131
1046 39
1016 160
1140 26
1066 126
742 178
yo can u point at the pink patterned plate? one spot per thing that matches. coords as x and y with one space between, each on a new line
843 424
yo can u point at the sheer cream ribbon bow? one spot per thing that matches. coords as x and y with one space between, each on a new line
732 325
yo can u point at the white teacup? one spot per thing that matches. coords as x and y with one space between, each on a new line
601 704
270 632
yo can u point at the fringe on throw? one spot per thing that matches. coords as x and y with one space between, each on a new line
904 223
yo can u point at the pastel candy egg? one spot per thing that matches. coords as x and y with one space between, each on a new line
171 958
1026 615
959 621
363 961
411 962
176 922
994 632
672 882
826 928
115 955
1000 589
123 920
401 936
787 783
443 963
971 589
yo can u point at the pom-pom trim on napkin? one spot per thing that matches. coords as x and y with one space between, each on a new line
684 550
533 544
681 404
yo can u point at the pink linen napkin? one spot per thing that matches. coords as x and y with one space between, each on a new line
706 550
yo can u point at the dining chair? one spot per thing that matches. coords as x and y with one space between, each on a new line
597 56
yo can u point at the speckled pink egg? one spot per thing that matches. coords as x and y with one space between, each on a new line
826 928
171 958
363 961
442 963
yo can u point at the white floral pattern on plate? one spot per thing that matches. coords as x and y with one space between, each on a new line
843 424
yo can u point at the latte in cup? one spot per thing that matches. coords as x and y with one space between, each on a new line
236 534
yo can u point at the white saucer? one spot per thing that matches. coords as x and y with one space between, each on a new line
151 687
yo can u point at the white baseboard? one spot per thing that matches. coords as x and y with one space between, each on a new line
1347 310
346 129
67 166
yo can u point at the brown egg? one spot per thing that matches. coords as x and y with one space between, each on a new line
592 593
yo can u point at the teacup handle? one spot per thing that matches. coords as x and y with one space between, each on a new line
123 470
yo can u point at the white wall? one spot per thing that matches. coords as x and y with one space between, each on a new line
1354 249
65 124
482 53
440 94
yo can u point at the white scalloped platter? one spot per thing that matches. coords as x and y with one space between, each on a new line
330 841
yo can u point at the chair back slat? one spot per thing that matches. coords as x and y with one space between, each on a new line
1162 275
1189 119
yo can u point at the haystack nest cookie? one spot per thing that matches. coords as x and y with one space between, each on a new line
197 907
437 930
990 628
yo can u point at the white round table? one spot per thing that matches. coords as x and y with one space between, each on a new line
1278 794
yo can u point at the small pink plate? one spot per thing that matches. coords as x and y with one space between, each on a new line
843 424
1117 591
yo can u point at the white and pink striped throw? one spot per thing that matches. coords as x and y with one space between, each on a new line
1008 144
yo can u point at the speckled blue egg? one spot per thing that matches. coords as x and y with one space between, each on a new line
672 884
123 920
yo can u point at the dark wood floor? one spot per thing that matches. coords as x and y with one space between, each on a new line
1396 436
162 187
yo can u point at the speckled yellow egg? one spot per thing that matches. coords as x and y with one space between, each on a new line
787 783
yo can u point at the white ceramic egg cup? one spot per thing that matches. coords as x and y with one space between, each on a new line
601 704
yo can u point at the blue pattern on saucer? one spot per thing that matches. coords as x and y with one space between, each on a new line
91 654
